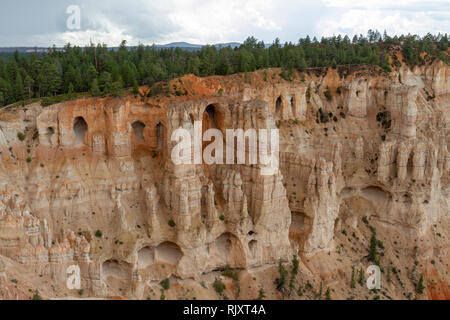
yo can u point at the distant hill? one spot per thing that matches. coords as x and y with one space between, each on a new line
181 45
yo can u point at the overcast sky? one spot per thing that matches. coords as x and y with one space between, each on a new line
44 22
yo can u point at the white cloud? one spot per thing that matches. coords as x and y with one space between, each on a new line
370 4
220 20
107 32
212 21
385 15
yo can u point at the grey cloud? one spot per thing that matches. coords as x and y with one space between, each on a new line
29 23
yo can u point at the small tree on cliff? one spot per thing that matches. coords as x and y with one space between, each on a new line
420 285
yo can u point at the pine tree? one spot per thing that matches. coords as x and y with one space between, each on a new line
19 88
91 74
116 88
95 90
105 82
51 80
29 82
71 91
135 88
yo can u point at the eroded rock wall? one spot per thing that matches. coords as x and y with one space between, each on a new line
91 182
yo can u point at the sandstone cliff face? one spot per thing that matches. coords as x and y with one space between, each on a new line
92 183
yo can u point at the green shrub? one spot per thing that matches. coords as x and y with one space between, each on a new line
361 277
231 273
295 265
308 93
36 296
373 254
20 136
281 280
165 284
327 94
171 223
98 234
353 283
420 285
261 295
328 294
219 286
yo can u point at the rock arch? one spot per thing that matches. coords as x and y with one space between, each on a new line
80 128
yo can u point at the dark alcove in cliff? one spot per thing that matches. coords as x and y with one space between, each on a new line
160 135
278 107
210 117
80 128
138 129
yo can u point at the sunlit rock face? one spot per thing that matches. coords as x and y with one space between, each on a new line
93 184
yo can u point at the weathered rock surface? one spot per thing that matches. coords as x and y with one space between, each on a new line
92 184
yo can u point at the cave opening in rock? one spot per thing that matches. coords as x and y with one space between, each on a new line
80 129
299 229
293 105
50 133
376 194
252 247
160 135
410 165
146 257
230 250
209 118
112 268
138 129
223 243
169 253
212 119
278 107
